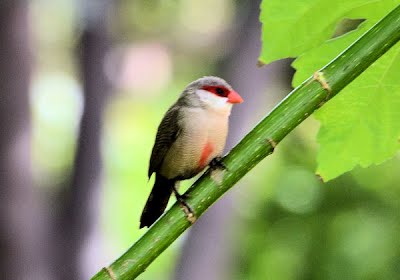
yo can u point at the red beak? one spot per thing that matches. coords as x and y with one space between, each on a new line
234 97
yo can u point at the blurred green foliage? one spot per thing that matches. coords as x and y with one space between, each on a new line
346 229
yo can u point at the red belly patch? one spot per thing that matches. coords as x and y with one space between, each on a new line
205 154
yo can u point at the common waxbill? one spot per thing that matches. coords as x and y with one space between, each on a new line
191 135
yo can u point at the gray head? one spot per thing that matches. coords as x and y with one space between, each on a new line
209 81
209 92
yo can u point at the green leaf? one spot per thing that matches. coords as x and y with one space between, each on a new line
292 27
315 57
360 126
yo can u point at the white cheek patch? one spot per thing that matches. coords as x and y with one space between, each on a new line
213 100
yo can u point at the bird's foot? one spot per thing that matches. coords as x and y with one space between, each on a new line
181 198
217 163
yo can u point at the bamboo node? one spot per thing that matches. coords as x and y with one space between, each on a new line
320 78
272 143
110 273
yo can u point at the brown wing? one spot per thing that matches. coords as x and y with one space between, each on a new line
167 133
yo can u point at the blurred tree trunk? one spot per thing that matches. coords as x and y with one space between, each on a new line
22 254
207 249
79 216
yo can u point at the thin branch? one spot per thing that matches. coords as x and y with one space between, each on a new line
260 142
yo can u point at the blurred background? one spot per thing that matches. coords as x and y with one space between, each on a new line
83 86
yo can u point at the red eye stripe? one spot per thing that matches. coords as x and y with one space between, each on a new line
217 90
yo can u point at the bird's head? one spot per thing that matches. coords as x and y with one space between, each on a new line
212 93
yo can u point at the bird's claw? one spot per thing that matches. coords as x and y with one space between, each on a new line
184 204
217 163
190 216
181 198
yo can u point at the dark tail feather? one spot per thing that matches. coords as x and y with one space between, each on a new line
157 201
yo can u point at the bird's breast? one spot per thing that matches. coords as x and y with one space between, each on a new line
206 153
202 138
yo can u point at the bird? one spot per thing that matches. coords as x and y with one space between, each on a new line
191 136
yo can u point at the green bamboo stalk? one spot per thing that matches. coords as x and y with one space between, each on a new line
258 144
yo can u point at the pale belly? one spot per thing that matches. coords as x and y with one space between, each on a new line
202 138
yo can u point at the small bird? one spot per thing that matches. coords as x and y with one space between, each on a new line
191 135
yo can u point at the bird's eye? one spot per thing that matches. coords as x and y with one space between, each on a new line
220 91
